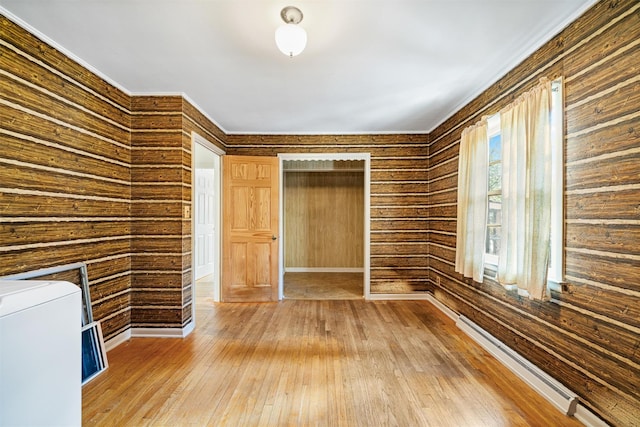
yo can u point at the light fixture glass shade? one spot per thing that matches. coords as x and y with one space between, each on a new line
291 39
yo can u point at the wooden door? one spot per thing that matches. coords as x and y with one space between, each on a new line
250 229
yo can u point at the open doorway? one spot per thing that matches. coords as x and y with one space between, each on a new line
324 226
206 232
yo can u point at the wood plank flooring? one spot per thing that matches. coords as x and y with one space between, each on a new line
316 363
323 286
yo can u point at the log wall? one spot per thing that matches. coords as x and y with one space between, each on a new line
89 173
161 208
398 197
64 171
589 337
159 250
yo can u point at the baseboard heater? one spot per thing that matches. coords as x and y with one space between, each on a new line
552 390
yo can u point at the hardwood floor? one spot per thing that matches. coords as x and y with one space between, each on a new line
304 362
323 286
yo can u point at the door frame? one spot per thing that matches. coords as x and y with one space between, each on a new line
366 157
218 152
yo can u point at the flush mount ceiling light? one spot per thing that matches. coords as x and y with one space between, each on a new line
290 38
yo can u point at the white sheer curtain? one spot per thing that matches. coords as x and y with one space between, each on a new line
526 192
472 201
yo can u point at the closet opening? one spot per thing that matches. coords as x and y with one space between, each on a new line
324 226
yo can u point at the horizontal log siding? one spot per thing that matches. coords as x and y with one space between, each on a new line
589 337
64 172
398 197
74 187
193 120
157 179
161 189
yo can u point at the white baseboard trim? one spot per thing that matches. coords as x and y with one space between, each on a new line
117 340
188 328
323 270
148 333
398 297
443 308
588 418
162 332
548 387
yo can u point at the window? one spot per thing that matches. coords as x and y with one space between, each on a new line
494 192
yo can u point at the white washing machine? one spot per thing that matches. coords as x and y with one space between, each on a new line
40 353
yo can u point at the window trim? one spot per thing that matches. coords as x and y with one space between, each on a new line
555 274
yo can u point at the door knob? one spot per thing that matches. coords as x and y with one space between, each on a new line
274 238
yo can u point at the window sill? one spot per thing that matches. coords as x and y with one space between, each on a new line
558 286
491 273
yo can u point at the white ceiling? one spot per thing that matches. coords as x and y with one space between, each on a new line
370 66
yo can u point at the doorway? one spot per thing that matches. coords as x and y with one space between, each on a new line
206 230
324 226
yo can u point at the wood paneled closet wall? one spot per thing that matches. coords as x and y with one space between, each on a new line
323 216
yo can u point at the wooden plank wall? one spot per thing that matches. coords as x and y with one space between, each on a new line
161 207
589 338
158 251
324 219
399 198
82 178
64 171
193 120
